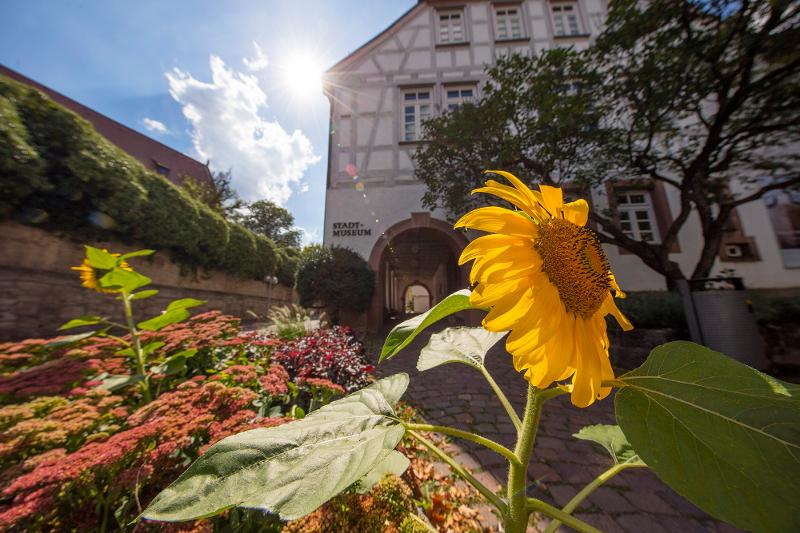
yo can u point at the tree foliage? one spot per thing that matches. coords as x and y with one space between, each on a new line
336 277
703 98
218 194
271 220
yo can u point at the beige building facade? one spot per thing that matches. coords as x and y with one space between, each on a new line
432 59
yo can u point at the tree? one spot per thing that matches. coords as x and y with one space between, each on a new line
702 97
218 194
270 219
336 278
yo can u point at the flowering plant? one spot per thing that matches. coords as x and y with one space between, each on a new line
110 273
720 433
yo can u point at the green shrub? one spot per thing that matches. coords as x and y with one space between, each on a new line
654 310
56 171
776 307
288 262
336 278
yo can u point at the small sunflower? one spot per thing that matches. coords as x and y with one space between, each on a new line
547 281
90 276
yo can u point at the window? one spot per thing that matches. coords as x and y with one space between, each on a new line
161 169
416 109
508 23
636 216
455 96
451 27
565 19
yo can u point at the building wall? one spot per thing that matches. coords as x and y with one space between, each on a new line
371 184
39 292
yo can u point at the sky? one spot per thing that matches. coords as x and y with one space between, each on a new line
232 82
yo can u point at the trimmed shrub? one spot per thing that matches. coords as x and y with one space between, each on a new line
57 172
336 278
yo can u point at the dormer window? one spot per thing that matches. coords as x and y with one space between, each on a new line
161 169
507 23
451 27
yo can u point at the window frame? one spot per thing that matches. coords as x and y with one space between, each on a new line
449 13
417 105
576 12
520 20
457 101
632 210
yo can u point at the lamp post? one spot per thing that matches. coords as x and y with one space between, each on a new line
271 281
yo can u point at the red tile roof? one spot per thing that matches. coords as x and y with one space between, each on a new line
150 152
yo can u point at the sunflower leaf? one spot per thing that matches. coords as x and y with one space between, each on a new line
394 463
723 435
403 333
100 259
613 440
125 280
289 469
166 319
137 253
184 303
87 320
458 345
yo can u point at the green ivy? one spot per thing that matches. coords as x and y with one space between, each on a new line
58 173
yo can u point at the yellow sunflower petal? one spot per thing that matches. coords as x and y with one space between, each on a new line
553 200
577 212
609 306
488 294
498 220
588 375
508 312
488 246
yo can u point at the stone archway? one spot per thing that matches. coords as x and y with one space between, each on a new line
416 298
421 250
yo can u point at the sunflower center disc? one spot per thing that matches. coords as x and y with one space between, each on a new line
575 263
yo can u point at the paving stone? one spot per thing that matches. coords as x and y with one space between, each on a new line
649 502
639 523
466 460
489 480
610 500
562 494
542 473
466 418
571 473
601 521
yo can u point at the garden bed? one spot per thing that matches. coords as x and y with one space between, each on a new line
81 450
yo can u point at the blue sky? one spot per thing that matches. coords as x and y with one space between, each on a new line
159 60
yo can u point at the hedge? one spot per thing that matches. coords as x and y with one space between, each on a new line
57 172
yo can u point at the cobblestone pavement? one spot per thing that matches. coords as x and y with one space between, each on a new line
634 501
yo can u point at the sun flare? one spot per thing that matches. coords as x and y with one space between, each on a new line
302 74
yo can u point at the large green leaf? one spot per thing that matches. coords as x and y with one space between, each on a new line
405 332
458 345
184 303
290 469
163 320
393 462
100 259
125 280
141 295
722 434
613 440
86 320
392 387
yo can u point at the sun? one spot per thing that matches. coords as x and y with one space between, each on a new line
302 75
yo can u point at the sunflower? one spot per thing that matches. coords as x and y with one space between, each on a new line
547 281
90 276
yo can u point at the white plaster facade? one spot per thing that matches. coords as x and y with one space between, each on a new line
371 185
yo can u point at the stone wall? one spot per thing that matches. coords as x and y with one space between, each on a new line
39 292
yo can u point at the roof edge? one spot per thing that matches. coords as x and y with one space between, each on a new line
377 40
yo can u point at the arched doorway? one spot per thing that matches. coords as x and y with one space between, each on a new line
420 251
416 298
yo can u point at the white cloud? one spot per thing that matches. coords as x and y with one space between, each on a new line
154 125
308 236
259 62
228 130
303 188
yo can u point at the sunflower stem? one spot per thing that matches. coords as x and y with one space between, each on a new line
503 399
588 489
560 516
518 512
137 347
453 432
461 471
